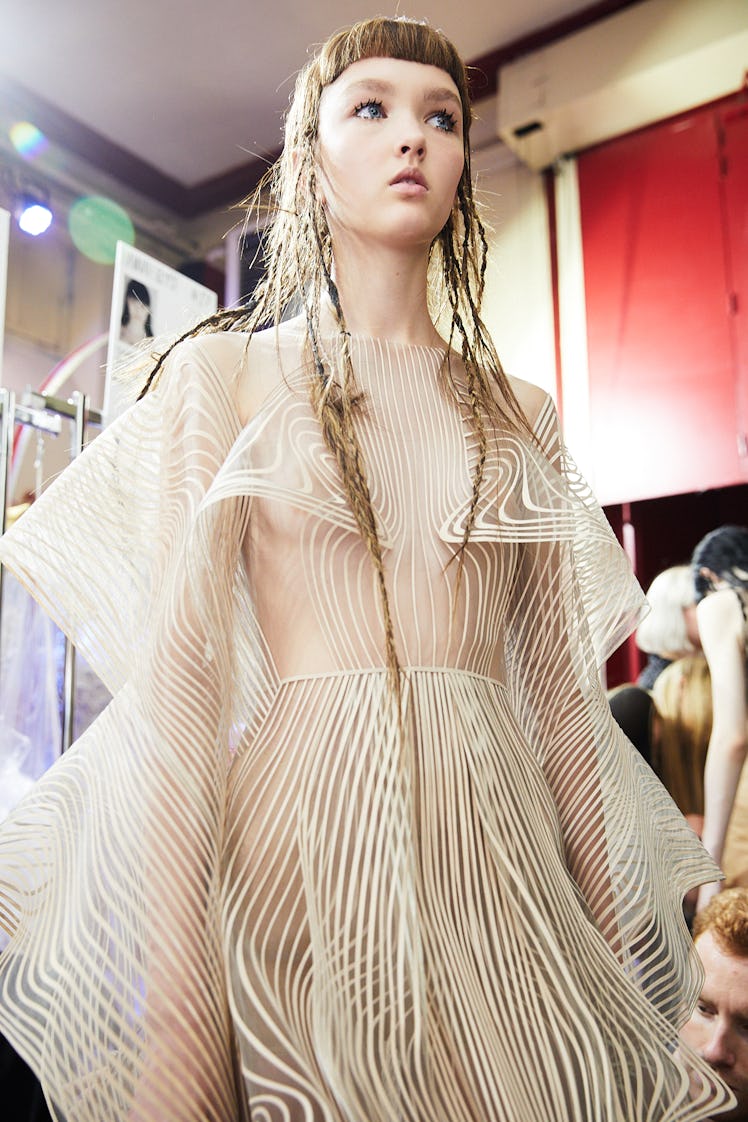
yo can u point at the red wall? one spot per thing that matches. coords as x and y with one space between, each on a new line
664 215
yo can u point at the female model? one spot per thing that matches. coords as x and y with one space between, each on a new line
357 838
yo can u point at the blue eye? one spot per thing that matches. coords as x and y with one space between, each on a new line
444 120
371 110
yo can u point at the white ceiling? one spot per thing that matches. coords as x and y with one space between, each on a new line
196 90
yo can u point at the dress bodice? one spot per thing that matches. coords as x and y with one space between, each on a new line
305 552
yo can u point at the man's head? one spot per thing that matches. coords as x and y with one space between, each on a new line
718 1028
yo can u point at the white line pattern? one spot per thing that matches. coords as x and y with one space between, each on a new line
246 888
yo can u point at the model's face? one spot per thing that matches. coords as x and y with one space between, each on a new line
718 1028
390 151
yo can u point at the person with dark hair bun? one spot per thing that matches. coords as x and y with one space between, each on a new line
720 560
720 572
357 839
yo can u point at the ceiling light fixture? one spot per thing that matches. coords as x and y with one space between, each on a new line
33 214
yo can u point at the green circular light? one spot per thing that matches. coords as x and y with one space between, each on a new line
96 224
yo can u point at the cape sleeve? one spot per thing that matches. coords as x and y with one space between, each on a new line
627 846
110 889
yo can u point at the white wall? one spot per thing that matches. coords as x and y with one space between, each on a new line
518 303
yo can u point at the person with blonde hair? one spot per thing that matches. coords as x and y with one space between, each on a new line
357 839
682 696
670 629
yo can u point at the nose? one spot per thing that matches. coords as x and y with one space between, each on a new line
413 140
417 149
719 1050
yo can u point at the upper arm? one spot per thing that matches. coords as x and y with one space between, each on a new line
721 632
542 417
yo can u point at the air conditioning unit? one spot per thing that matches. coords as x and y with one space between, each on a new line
648 62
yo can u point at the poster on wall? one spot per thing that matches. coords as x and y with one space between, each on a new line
148 299
4 242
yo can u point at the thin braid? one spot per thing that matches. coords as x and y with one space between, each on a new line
335 406
220 321
477 415
340 436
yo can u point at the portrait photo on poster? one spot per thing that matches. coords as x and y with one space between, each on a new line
149 299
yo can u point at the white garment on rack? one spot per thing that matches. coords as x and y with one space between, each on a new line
30 727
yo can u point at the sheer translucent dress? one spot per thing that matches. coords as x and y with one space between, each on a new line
255 886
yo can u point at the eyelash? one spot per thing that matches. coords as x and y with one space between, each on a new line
449 120
368 104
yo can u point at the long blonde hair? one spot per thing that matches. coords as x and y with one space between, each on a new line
682 695
298 253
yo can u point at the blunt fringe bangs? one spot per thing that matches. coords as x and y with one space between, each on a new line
403 39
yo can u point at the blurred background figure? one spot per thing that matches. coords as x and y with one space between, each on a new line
682 697
720 573
670 630
20 1091
634 712
671 726
717 1027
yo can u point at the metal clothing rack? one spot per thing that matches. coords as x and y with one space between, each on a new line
45 414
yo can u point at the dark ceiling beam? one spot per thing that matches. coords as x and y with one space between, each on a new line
226 189
73 136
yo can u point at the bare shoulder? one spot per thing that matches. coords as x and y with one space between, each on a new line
220 351
720 615
532 399
722 631
248 366
268 357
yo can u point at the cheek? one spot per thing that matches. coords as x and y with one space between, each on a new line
694 1034
320 185
741 1053
452 177
333 172
455 174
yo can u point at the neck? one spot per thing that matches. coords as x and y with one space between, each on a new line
383 294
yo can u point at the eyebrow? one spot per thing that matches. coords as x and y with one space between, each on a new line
377 85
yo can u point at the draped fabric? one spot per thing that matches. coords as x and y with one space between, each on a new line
254 884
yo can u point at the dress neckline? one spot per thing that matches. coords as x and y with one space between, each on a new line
395 344
331 339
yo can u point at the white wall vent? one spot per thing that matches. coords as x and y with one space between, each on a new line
648 62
